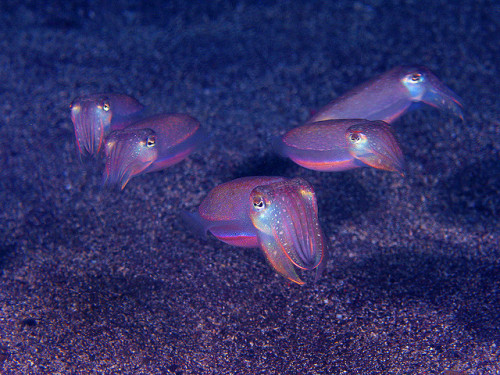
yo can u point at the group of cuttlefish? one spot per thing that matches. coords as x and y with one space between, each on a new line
277 214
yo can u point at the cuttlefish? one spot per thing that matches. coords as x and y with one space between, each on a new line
95 116
390 95
339 145
149 145
277 214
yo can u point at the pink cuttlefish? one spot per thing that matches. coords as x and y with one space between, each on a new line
339 145
95 116
277 214
389 96
149 145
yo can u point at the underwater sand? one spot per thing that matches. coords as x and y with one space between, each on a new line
97 281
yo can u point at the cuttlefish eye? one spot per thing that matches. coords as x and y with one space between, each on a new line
106 107
417 77
354 138
151 141
414 78
258 203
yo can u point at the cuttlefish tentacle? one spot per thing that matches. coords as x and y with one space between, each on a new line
374 144
390 95
286 217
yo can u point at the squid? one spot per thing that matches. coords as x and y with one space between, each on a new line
390 95
95 116
276 214
339 145
150 145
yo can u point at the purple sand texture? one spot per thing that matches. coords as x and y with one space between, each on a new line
97 281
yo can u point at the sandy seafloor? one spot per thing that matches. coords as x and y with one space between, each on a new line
98 281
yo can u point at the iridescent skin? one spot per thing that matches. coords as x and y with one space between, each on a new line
339 145
94 116
277 214
389 96
149 145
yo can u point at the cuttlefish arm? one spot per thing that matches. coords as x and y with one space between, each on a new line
149 145
278 215
285 215
389 96
95 116
339 145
